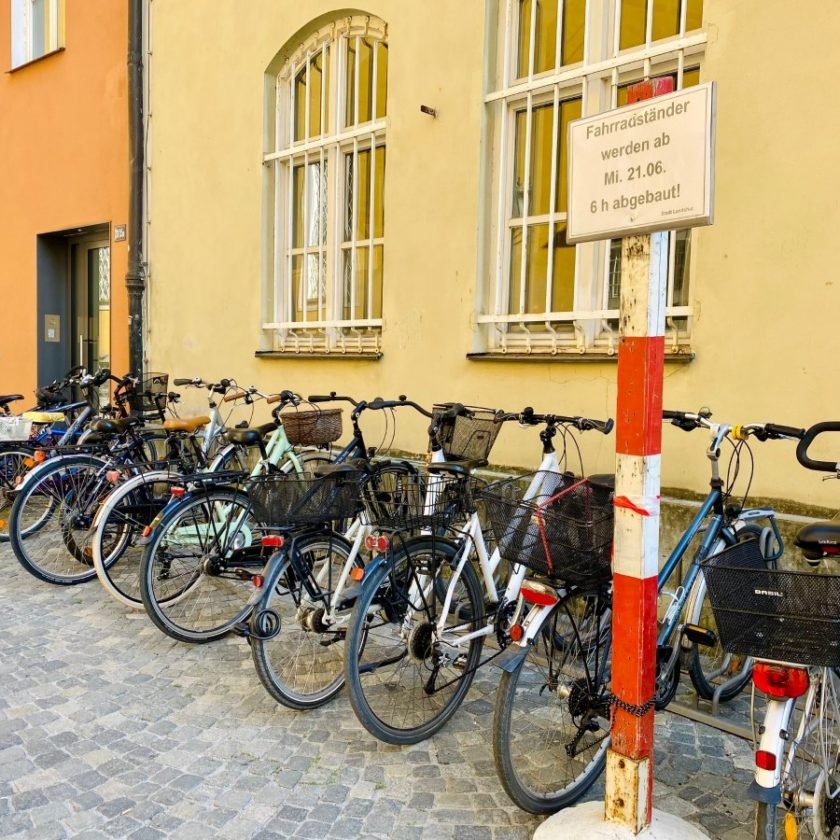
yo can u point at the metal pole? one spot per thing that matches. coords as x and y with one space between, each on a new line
644 281
135 280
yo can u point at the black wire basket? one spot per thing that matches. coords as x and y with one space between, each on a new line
282 500
774 614
419 500
466 438
564 533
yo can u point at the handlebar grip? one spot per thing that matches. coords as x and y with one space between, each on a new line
670 415
806 441
784 431
606 427
316 398
454 410
178 382
238 394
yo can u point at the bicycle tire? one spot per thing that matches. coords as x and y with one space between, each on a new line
189 583
51 517
14 464
414 700
703 663
302 667
538 701
117 545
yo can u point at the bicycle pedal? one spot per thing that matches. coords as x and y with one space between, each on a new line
700 635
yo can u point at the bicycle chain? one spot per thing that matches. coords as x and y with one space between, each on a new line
630 708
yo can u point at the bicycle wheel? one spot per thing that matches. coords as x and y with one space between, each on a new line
551 724
117 544
51 518
404 681
302 667
14 464
195 573
810 789
710 665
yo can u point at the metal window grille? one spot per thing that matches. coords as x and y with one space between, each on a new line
557 60
326 171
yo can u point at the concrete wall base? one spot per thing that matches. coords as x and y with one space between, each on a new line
587 820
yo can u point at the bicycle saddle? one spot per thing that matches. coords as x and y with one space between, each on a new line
818 540
185 424
252 436
115 425
458 468
10 398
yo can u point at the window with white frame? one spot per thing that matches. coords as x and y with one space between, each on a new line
325 170
555 61
37 29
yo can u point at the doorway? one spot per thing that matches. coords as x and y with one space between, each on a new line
74 301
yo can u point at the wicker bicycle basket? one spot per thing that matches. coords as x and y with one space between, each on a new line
421 500
282 500
466 438
773 614
312 428
564 533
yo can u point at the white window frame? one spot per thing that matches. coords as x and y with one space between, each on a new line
332 333
23 31
590 327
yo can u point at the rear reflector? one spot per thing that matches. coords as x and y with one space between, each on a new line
40 456
516 633
257 580
765 760
272 541
357 574
178 492
780 681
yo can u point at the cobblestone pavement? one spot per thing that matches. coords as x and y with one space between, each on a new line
109 729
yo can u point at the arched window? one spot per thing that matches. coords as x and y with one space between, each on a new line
325 165
555 61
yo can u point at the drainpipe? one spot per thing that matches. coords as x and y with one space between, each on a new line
135 280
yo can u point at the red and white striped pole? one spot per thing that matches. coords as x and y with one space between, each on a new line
641 354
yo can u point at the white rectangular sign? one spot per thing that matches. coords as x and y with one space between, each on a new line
645 167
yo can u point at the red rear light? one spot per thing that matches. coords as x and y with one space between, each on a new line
780 681
765 760
257 580
538 597
178 492
516 633
376 542
272 541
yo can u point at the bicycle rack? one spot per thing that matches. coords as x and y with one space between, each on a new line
713 717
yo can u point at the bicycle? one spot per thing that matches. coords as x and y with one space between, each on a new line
415 637
788 622
205 544
305 598
56 502
116 543
553 707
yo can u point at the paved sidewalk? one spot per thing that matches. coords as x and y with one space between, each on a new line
109 729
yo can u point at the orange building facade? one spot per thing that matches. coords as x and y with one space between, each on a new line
63 189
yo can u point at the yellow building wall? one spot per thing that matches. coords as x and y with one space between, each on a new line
63 166
762 278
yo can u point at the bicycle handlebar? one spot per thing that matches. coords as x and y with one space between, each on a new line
331 397
219 387
806 441
688 421
528 417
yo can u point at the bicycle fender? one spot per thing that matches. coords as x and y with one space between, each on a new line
772 796
274 568
512 659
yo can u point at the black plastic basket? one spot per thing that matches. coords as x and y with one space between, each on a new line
565 533
773 614
466 438
282 500
420 500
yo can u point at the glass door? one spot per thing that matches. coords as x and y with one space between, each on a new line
91 304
